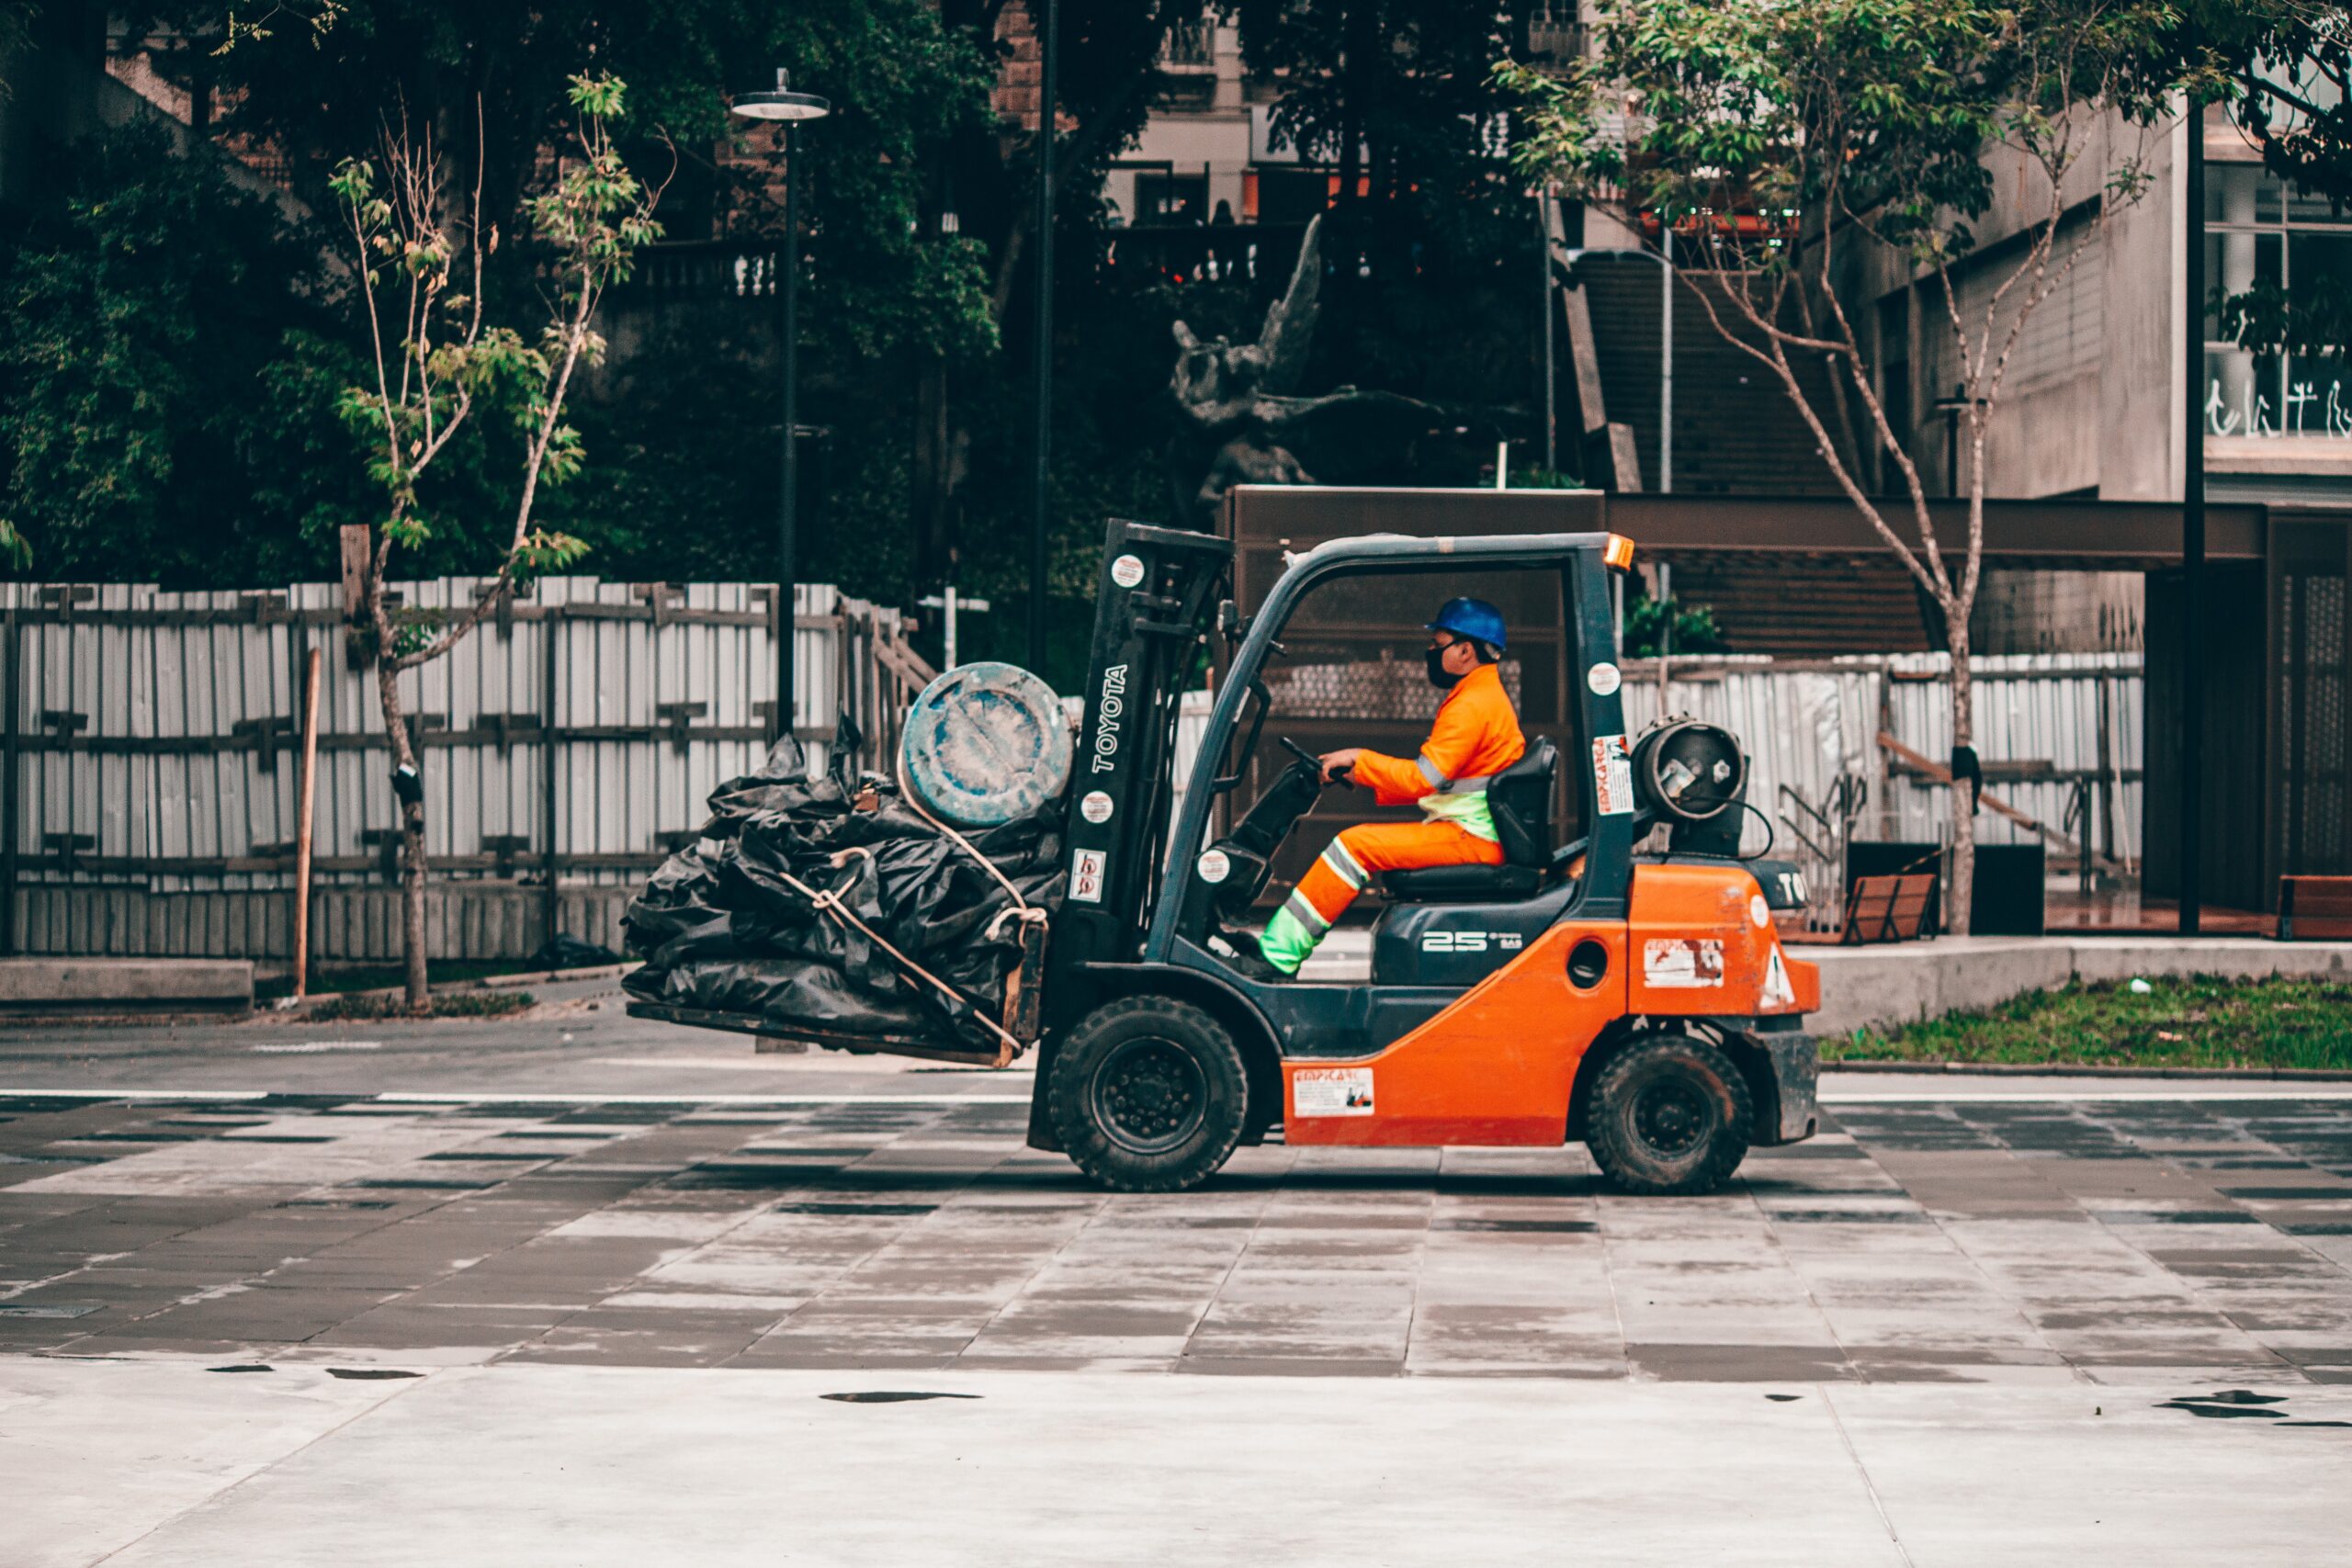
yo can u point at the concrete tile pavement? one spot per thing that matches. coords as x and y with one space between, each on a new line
594 1466
1925 1241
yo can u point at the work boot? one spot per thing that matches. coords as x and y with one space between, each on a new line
1243 957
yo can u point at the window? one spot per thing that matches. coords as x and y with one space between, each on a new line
2256 234
1171 198
1292 195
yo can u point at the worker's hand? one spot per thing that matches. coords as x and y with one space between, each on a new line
1338 762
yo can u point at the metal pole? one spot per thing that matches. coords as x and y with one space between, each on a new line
2190 687
787 517
1666 358
9 763
303 826
553 635
1037 523
1543 305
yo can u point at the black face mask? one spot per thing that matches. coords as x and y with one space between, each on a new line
1444 679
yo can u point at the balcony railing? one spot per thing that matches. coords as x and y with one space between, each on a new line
1259 256
703 269
1192 45
1554 34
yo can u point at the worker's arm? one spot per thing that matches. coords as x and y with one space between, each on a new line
1400 781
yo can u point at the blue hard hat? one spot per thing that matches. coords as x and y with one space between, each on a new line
1472 618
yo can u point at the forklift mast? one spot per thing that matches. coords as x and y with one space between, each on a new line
1160 588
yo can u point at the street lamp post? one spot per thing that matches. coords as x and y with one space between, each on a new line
2190 689
1038 518
790 109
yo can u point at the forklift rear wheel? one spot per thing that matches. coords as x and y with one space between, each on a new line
1149 1095
1670 1115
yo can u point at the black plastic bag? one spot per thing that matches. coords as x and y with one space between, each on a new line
722 927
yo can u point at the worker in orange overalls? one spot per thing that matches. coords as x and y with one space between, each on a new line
1476 737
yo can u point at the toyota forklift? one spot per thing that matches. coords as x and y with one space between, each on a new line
1638 1003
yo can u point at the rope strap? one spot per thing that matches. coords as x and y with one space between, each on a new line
829 902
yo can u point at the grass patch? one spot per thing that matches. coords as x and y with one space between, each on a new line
2195 1022
362 1007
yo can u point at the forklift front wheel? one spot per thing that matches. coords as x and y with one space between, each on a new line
1149 1095
1669 1115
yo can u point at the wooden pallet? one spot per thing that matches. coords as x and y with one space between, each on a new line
936 1050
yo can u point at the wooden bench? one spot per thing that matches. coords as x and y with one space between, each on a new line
1887 909
2314 908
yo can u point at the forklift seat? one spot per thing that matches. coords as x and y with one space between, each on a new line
1520 802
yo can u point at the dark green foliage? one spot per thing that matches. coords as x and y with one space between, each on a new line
678 436
169 352
901 85
1645 618
2285 70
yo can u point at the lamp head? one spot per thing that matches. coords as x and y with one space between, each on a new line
783 104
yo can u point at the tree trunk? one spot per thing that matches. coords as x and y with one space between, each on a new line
1960 886
419 993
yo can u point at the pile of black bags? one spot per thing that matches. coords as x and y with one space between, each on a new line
721 931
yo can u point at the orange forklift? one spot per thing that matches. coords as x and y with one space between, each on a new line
1639 1003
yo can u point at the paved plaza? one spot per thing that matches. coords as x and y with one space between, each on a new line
262 1287
2047 1242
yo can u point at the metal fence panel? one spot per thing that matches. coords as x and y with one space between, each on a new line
152 767
2067 722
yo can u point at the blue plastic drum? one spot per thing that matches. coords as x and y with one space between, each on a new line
986 743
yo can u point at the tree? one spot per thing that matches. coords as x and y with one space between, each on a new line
1396 96
160 333
1787 141
441 366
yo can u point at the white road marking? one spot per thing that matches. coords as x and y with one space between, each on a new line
532 1097
2268 1090
788 1062
2271 1089
310 1047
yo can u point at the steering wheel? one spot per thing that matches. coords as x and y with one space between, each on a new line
1304 755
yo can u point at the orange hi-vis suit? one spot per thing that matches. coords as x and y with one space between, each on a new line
1476 737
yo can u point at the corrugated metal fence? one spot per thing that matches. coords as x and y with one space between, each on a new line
2059 736
150 746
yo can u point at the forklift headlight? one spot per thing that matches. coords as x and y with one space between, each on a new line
1618 554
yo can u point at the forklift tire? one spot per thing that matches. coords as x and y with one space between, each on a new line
1670 1116
1149 1095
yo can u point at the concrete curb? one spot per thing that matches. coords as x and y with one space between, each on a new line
554 976
2090 1071
1882 987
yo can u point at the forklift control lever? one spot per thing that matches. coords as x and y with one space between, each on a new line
1308 757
